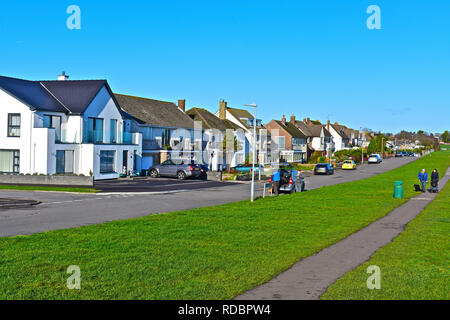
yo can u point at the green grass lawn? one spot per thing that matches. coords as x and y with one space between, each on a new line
416 265
207 253
45 188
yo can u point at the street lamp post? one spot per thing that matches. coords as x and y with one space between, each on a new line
254 105
362 145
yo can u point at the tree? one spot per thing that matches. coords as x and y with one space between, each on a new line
445 136
376 144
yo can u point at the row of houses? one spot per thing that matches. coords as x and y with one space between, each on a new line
83 127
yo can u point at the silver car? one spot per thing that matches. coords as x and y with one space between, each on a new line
170 169
375 158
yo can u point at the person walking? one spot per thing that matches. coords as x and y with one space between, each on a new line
423 178
299 181
276 182
434 180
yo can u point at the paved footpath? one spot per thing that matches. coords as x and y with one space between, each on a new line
311 277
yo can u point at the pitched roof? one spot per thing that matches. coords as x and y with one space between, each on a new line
340 130
303 128
155 112
209 121
240 113
291 129
75 95
230 124
326 132
31 93
60 96
315 129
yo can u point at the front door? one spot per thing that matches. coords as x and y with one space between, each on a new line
125 162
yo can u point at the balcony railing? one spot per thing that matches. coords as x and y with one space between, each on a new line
96 137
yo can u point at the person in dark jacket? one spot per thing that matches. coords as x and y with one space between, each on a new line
423 178
434 178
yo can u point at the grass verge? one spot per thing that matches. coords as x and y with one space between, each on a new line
416 265
206 253
45 188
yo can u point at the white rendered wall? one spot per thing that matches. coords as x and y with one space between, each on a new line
103 106
9 104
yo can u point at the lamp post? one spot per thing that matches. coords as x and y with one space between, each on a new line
254 105
362 145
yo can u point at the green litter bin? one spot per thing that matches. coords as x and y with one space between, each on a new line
398 190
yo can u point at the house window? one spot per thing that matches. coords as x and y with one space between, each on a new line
281 142
95 130
113 131
64 161
13 125
107 161
9 161
53 122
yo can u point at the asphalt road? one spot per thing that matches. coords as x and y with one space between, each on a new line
62 210
154 185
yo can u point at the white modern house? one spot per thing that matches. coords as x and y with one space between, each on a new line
64 127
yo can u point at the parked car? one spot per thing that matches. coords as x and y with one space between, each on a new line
204 171
349 165
170 169
375 158
398 154
288 180
323 168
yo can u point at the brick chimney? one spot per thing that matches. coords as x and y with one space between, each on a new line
309 121
328 125
284 119
293 119
182 105
336 123
304 120
63 77
223 109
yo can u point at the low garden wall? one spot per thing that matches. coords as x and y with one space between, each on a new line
214 176
72 181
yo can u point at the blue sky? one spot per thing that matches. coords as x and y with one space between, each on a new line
312 58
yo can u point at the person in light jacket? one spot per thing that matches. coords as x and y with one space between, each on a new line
423 178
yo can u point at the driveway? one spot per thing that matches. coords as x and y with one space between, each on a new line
63 210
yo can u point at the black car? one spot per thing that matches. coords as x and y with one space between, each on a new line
204 171
323 168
